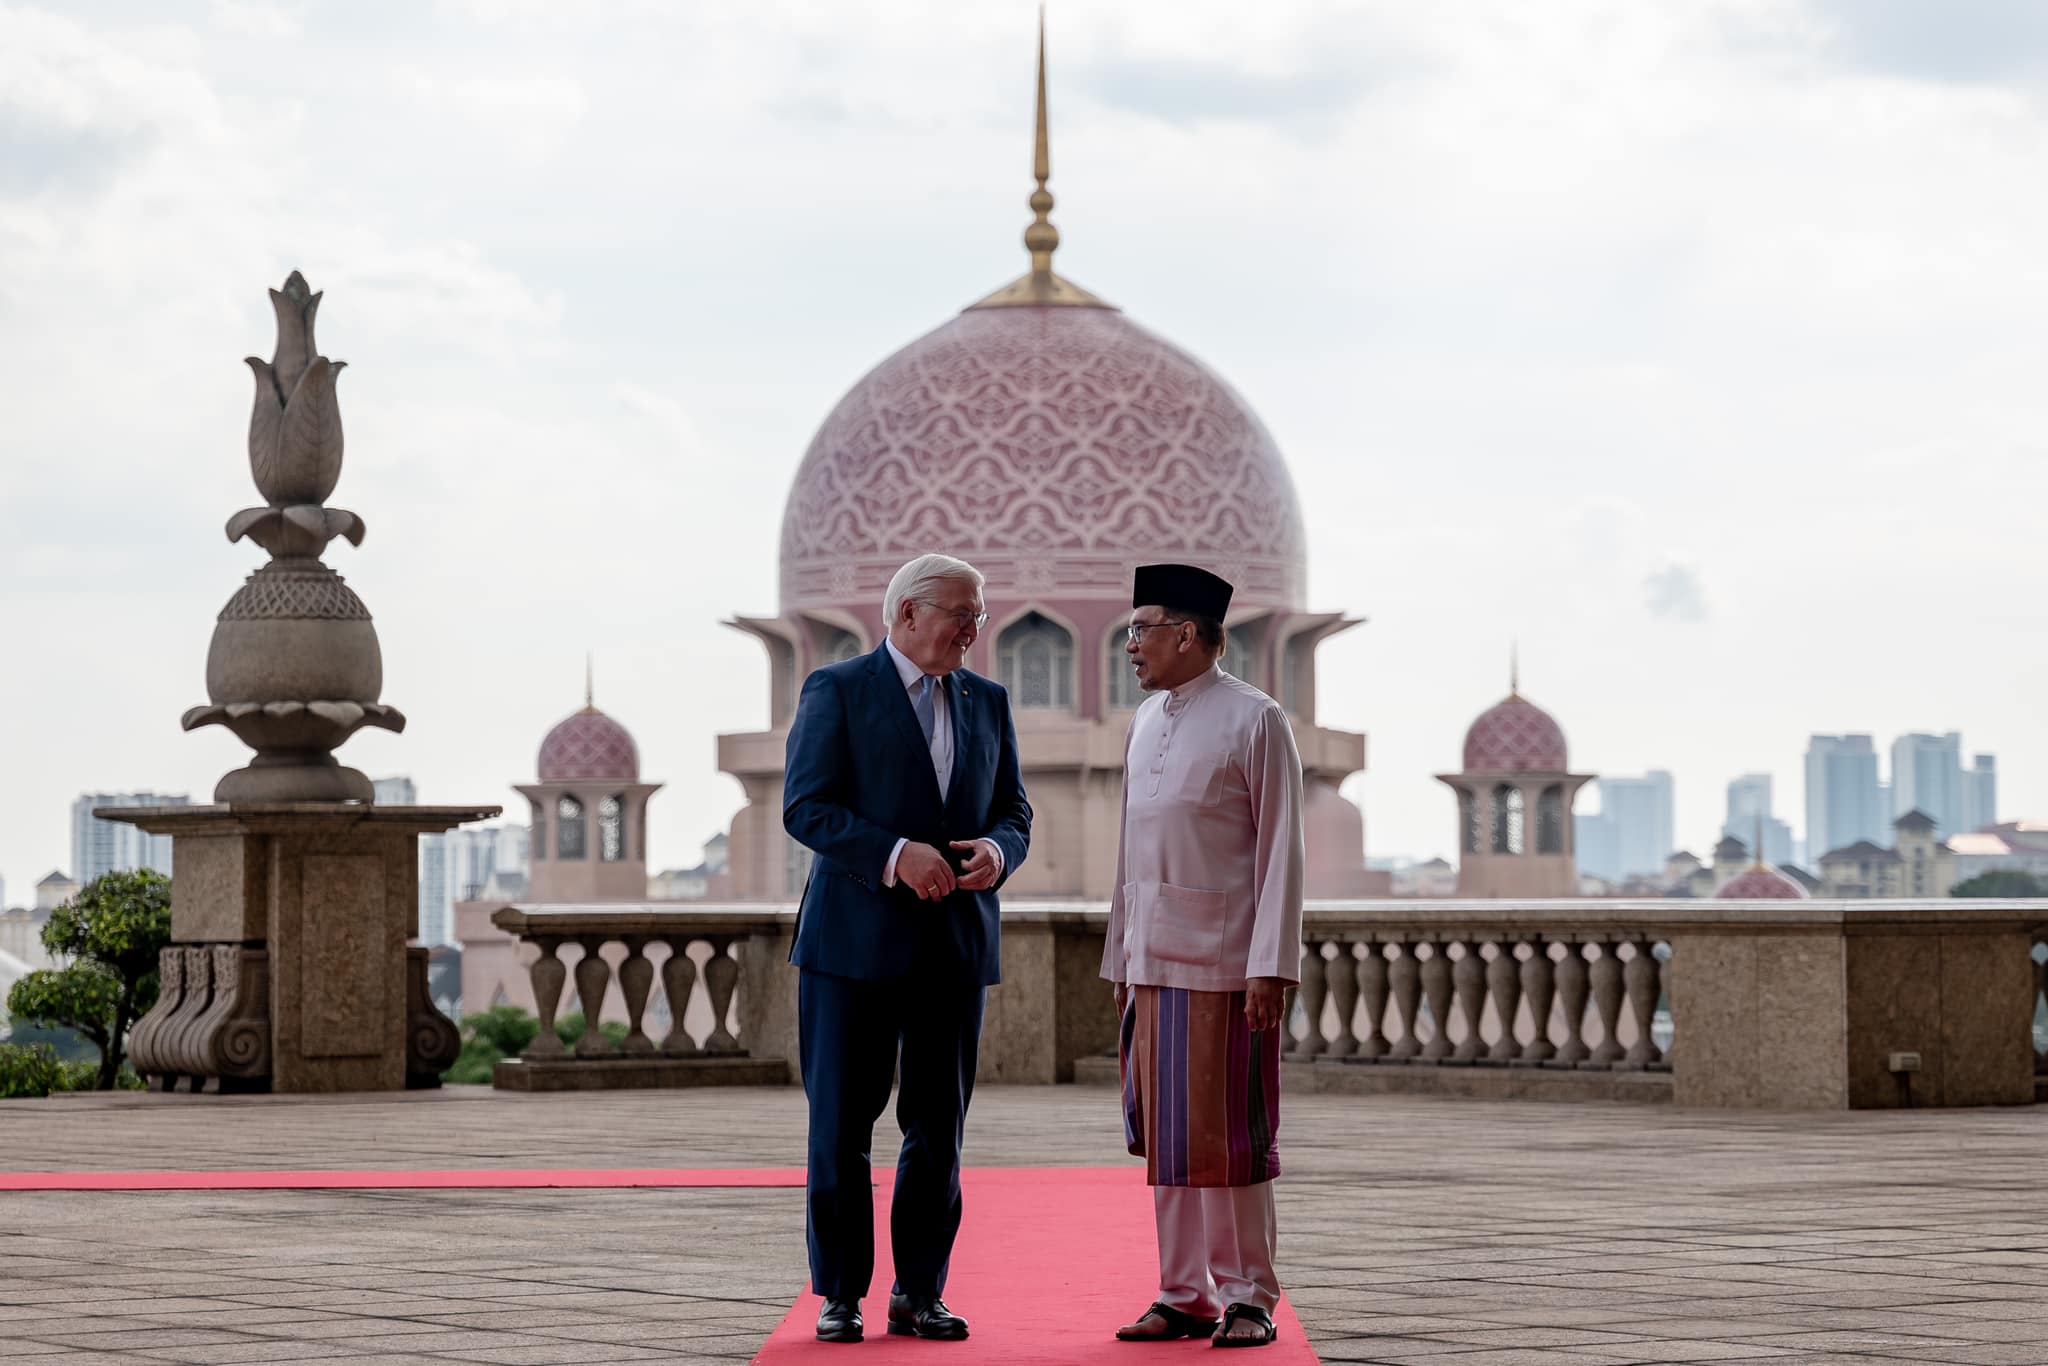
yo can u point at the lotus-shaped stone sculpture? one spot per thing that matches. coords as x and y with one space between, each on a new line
295 668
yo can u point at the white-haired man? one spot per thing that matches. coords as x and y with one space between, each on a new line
902 776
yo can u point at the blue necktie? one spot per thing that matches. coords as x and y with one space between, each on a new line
926 708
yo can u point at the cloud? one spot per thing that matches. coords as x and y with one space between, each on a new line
1677 593
1964 42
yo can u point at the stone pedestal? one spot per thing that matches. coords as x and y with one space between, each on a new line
290 925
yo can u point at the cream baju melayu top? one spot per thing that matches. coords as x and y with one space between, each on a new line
1208 884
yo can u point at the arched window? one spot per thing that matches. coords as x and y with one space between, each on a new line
781 680
1244 657
1124 693
539 836
570 835
1468 820
1297 674
1507 820
1550 820
1035 661
836 646
611 829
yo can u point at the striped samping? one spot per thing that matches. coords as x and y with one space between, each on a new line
1201 1088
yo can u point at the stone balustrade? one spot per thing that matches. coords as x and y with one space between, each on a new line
1476 995
700 957
1725 1004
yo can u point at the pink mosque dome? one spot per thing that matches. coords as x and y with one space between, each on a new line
589 746
1054 447
1515 736
1760 883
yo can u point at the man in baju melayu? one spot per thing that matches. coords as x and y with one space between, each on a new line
1204 940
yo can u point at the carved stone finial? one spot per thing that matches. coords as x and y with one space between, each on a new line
295 667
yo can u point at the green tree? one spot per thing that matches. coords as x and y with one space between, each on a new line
109 937
2003 882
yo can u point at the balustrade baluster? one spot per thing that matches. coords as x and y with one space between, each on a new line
1342 974
636 980
1312 992
1607 999
547 975
678 979
1372 989
1404 975
1665 970
1640 976
1468 976
1538 988
721 976
1571 999
1436 990
593 976
2034 1009
1504 985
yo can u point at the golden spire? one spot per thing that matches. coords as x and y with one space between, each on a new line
1041 287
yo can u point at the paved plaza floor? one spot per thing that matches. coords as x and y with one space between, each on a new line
1466 1233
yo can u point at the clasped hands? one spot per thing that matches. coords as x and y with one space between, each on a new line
925 871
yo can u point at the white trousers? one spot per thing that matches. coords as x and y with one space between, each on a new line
1216 1246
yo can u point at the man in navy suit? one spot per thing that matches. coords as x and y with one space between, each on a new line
902 777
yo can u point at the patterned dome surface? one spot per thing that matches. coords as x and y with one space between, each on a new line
1516 736
1055 448
589 745
1760 884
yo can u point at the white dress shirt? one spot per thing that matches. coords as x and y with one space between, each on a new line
942 749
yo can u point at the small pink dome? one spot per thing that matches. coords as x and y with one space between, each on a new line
1760 884
589 745
1515 737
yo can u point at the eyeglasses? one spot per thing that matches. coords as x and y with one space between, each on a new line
962 617
1136 634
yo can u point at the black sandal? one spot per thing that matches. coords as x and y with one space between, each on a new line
1232 1314
1179 1324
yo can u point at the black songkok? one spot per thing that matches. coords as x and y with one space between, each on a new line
1181 588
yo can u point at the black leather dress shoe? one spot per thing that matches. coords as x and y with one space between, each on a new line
925 1317
839 1321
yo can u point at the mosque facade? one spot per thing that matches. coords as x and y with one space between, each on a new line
1055 444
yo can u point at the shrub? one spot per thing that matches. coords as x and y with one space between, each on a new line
30 1070
110 936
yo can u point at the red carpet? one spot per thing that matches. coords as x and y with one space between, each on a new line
412 1180
1050 1260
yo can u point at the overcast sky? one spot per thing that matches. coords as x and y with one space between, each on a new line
1700 347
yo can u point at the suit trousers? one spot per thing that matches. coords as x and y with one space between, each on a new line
851 1035
1216 1246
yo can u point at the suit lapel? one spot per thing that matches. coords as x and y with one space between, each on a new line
960 700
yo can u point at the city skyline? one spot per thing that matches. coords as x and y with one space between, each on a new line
578 391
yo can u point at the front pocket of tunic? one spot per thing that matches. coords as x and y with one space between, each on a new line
1186 926
1200 781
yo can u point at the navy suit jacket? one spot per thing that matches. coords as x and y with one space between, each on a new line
857 777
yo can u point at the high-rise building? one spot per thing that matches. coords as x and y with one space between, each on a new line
1844 800
460 866
1634 831
1927 776
1749 809
1980 794
99 847
396 792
